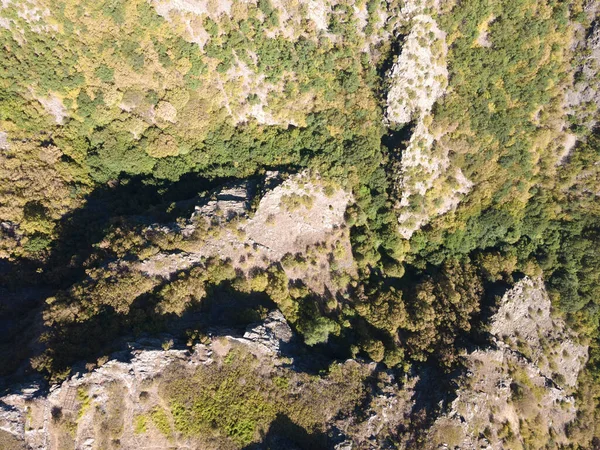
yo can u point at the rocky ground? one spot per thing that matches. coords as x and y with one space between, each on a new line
514 392
299 216
79 412
426 183
517 392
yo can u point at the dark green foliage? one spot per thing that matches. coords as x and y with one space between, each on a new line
38 242
105 73
409 301
314 326
115 9
114 153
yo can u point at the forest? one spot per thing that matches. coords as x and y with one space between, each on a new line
114 114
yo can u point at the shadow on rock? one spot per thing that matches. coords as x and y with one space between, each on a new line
283 434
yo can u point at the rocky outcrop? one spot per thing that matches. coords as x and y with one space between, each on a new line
268 337
387 412
524 323
420 76
32 414
426 184
521 389
294 217
229 202
54 107
518 391
4 143
37 418
583 100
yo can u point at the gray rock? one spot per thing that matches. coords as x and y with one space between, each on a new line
4 141
269 335
227 203
586 89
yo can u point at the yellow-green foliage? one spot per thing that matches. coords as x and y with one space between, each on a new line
504 107
233 407
104 288
191 287
124 106
161 420
85 400
139 89
36 189
294 201
121 111
104 102
239 400
140 424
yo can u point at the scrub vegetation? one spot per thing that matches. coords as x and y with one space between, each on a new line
118 117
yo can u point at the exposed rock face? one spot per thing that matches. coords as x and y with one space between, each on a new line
388 411
34 418
54 106
483 37
584 99
521 389
268 336
30 417
412 8
427 185
296 214
511 393
291 218
229 202
420 76
514 392
524 322
504 395
4 145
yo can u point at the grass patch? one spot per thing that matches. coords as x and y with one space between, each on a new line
140 424
161 421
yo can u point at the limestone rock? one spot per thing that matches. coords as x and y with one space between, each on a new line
511 387
227 203
524 322
583 99
420 76
4 144
427 185
292 217
270 333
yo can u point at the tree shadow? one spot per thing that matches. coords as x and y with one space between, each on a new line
135 203
284 434
437 386
396 140
388 62
223 312
493 291
433 393
25 283
225 307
